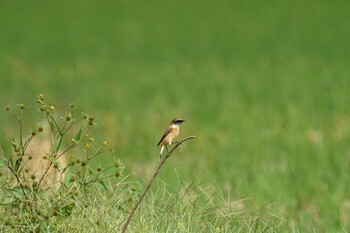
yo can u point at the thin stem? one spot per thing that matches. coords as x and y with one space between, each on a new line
26 143
20 132
72 124
84 131
18 180
55 122
152 180
54 156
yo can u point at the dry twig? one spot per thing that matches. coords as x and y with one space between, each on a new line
152 180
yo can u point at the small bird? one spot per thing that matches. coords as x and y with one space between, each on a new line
170 134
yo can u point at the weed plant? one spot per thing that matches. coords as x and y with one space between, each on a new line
37 195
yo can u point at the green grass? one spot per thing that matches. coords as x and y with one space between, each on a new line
263 85
194 208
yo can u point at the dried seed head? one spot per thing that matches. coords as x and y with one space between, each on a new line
117 174
69 117
22 106
41 96
40 129
7 108
33 133
91 118
42 108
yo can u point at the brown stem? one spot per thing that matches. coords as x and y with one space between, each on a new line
18 180
152 180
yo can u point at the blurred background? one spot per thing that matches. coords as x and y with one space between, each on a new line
264 85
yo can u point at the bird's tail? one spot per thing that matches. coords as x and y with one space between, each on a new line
161 152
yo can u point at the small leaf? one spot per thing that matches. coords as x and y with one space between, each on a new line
90 171
18 192
2 163
67 176
78 135
14 146
52 126
18 162
7 200
101 182
67 209
57 144
119 207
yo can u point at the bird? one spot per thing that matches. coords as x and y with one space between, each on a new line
170 134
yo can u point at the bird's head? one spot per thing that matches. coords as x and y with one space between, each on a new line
177 121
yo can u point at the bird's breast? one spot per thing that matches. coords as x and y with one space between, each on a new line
174 132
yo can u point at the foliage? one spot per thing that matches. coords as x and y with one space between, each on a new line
31 196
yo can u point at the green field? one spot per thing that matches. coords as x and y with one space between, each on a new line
264 85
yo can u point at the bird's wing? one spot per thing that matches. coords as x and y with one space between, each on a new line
164 135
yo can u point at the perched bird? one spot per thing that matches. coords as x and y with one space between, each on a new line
170 134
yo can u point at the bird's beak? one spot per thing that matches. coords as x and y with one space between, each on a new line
182 121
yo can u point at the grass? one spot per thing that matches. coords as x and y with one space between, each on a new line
193 208
263 85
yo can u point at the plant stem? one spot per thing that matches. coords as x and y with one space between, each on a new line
152 180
